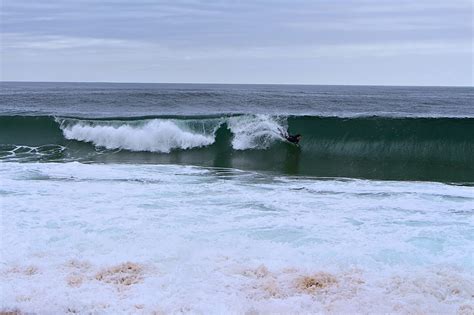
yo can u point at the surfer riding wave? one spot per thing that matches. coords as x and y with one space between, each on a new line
295 139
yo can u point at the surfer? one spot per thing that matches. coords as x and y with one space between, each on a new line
295 139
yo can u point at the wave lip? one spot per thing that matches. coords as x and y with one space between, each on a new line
153 136
164 135
255 132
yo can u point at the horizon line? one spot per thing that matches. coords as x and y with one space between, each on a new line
213 83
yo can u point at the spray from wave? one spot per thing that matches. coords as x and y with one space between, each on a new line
153 136
165 135
255 132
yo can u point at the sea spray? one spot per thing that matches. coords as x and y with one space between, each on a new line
152 136
256 132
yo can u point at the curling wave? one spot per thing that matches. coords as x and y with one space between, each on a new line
164 135
152 136
439 149
255 132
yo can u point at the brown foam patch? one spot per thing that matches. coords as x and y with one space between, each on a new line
260 272
80 270
272 288
74 280
312 284
123 275
24 270
287 282
96 308
11 312
443 285
465 309
265 284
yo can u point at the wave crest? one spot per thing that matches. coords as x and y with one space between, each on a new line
255 132
164 135
154 136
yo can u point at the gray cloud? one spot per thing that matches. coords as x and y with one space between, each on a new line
116 40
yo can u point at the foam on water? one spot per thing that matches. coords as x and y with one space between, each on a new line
154 135
26 152
164 135
255 132
141 239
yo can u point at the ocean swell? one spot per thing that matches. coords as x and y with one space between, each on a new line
434 149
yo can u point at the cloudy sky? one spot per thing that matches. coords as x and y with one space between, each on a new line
397 42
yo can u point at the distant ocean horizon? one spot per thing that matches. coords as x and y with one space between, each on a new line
143 197
236 83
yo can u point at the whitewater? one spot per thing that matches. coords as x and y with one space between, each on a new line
140 238
164 135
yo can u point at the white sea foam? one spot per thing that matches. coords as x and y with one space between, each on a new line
164 135
156 135
22 152
141 238
255 132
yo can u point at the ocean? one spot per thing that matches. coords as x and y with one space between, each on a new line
185 198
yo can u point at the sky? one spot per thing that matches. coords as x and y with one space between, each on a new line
366 42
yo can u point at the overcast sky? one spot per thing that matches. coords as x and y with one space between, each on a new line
416 42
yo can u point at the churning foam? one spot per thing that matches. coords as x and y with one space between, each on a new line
154 136
255 132
164 135
114 239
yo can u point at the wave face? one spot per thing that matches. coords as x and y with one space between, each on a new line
440 149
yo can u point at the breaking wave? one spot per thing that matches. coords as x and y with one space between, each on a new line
152 136
440 149
255 132
164 135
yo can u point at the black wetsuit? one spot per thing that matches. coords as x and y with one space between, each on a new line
293 139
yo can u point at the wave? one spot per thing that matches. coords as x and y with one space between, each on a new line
368 147
255 132
164 134
152 136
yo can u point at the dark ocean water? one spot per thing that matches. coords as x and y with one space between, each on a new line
94 100
401 133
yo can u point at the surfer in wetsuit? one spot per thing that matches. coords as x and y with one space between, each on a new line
295 139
